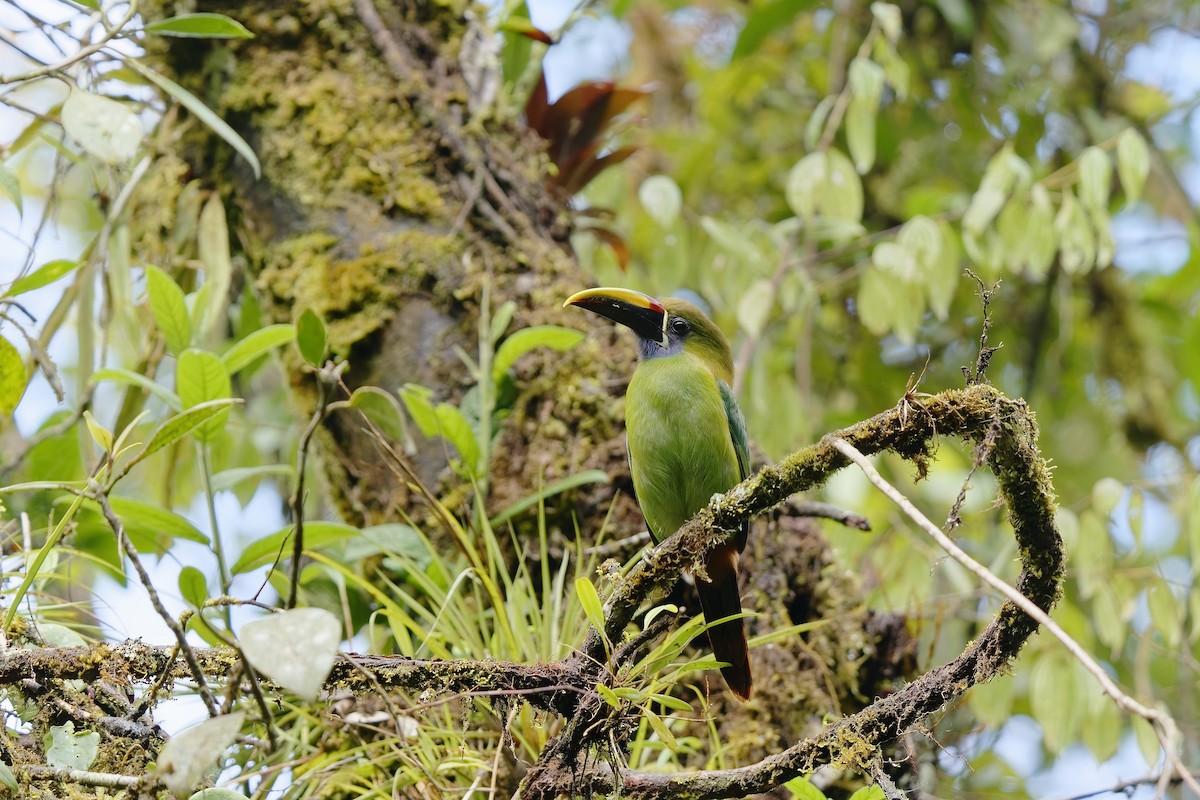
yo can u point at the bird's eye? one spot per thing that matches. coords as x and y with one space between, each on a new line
680 326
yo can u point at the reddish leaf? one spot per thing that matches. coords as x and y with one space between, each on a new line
524 27
537 105
587 170
615 242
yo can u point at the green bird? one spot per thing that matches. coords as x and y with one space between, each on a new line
687 442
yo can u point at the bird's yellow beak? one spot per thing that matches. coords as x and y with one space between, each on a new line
639 312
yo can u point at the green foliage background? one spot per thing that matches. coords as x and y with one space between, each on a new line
822 175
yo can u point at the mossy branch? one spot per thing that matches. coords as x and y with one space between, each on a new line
976 414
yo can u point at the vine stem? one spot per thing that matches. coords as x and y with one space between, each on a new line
1164 726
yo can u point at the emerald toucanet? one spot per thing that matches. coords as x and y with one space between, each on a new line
687 442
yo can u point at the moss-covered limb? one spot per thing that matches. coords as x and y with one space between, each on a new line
976 413
553 687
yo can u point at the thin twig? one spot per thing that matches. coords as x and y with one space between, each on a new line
106 780
131 553
1164 725
977 374
297 501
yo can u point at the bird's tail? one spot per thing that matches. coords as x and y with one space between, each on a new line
719 598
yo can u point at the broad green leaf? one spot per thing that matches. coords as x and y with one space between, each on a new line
212 244
245 352
44 275
866 80
1112 623
673 703
184 423
1106 495
589 601
660 727
103 127
815 126
383 409
193 586
661 198
551 489
311 338
201 111
992 702
1133 164
860 134
1077 241
66 749
1147 740
1102 730
1095 178
755 306
100 434
201 377
872 792
188 755
200 26
985 205
225 480
888 17
733 240
7 779
553 336
453 426
1041 240
317 534
825 184
11 186
1166 613
169 308
131 378
803 789
608 695
295 649
12 376
1052 699
154 523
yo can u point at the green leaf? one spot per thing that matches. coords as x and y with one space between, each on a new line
100 434
317 534
888 17
311 337
815 127
7 779
153 522
755 306
866 80
1133 163
1102 729
992 702
226 480
256 344
1112 623
169 308
453 426
382 409
660 728
825 184
44 275
201 111
1095 178
1077 242
551 489
11 186
589 601
661 198
200 26
608 695
555 337
201 377
193 586
803 789
501 319
860 134
212 244
131 378
103 127
296 649
189 754
673 703
184 423
12 376
66 749
1147 740
1166 613
872 792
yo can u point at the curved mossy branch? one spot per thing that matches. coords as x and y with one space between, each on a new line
1006 431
